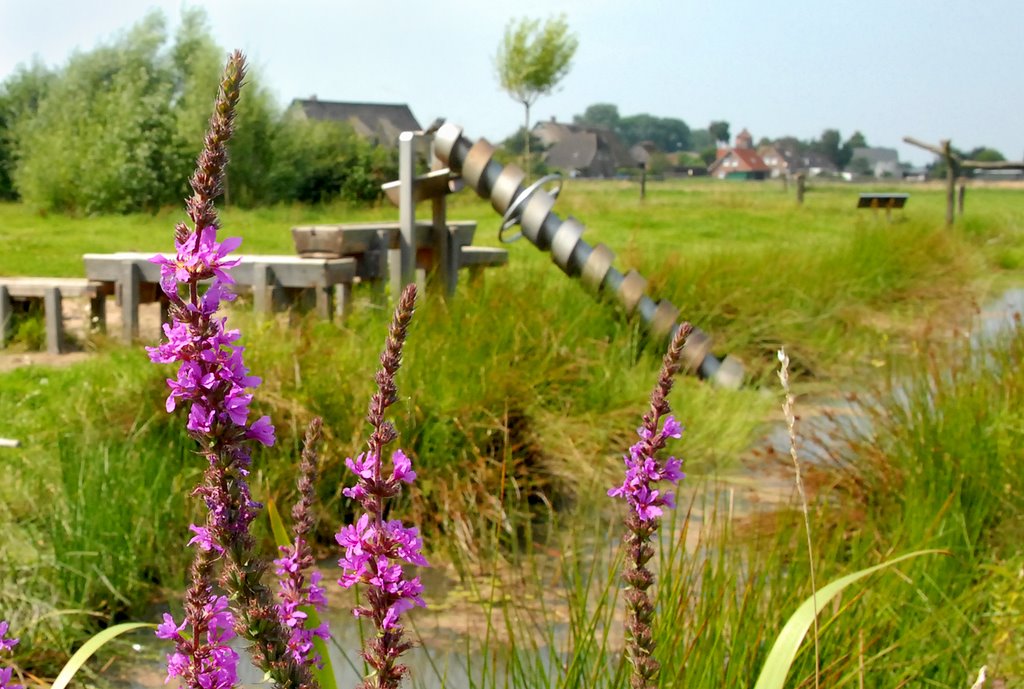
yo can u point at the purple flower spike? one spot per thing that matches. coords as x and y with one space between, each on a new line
7 645
643 472
378 551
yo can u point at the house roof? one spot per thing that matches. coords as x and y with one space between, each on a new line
554 133
750 159
876 155
383 121
576 151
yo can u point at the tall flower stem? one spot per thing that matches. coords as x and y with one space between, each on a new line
643 472
376 549
213 381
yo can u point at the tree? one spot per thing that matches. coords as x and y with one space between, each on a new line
701 139
719 130
985 154
532 59
829 146
514 148
855 141
667 133
599 115
19 98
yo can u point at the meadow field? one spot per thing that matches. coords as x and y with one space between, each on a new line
518 398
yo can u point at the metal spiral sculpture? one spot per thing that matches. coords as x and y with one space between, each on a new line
531 208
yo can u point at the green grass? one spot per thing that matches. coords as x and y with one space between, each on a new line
940 469
524 379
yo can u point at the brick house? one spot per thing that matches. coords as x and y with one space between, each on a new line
740 162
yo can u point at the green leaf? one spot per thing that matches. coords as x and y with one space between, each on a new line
325 675
787 644
90 647
280 533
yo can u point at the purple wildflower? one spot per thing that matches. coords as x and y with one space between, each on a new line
203 659
295 593
214 385
643 471
7 645
377 551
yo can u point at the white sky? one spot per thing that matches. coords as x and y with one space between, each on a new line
928 68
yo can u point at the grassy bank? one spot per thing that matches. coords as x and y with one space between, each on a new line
938 468
524 377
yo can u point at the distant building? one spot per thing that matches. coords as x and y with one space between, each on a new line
740 162
583 151
779 161
877 162
379 123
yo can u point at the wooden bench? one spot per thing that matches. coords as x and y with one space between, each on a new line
134 279
50 292
375 246
888 201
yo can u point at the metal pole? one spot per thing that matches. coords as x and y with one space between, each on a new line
406 212
531 207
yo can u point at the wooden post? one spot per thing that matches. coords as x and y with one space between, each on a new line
952 170
129 290
54 313
954 166
98 312
801 187
343 301
643 181
6 314
324 297
960 197
267 292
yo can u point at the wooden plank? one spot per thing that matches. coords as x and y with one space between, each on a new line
483 256
291 271
332 241
35 287
882 200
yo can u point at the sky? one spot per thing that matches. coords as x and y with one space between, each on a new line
931 69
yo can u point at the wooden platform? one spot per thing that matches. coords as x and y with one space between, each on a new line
50 291
134 279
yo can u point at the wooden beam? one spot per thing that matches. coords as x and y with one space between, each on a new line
940 150
993 164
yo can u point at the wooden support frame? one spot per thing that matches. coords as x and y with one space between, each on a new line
955 165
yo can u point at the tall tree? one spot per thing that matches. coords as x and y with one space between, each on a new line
829 145
719 130
855 141
600 115
532 59
19 98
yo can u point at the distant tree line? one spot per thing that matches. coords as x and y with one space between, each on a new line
671 134
118 129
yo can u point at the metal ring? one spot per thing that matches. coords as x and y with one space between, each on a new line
511 217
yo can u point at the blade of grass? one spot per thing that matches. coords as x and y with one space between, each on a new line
787 644
90 647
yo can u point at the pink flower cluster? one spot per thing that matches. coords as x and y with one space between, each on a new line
643 470
295 593
203 662
212 376
211 373
375 549
7 645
